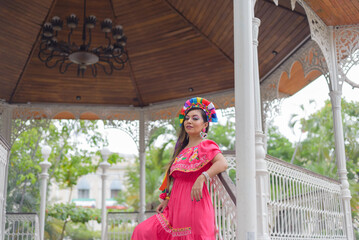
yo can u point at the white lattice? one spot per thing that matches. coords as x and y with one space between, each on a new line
22 226
347 50
4 153
120 225
303 204
225 210
320 33
231 161
129 127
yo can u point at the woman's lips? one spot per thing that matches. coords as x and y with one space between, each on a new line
189 127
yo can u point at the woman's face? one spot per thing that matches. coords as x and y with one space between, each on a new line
193 122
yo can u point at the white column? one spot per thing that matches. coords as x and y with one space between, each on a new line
335 97
245 121
5 131
261 164
142 153
45 165
104 165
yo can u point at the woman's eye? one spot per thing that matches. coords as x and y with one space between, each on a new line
186 118
195 118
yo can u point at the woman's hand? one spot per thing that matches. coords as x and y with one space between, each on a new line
197 188
162 206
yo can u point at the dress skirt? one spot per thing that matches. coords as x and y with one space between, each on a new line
182 219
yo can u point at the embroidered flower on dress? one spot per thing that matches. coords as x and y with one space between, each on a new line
194 154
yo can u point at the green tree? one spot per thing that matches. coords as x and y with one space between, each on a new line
223 135
70 213
317 150
158 154
69 160
279 146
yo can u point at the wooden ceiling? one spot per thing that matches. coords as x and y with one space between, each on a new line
336 12
173 45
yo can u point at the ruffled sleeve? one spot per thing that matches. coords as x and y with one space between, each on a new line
195 158
207 150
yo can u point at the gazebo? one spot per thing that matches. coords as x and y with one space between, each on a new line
241 54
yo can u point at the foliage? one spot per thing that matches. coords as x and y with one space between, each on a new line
154 176
70 213
69 160
278 145
223 135
80 231
317 151
157 159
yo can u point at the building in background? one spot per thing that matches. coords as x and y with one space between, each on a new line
87 192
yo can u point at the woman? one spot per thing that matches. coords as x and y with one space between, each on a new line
188 214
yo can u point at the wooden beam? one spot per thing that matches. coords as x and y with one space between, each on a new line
34 46
195 28
134 82
132 74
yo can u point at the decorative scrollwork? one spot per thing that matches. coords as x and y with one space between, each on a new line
347 50
129 127
28 222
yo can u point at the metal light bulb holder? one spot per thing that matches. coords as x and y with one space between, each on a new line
63 54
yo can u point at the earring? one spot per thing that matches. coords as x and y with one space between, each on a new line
203 134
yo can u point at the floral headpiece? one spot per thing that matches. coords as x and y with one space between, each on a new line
202 103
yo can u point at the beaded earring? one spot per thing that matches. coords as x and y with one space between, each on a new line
203 133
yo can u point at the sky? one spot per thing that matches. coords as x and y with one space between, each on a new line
318 91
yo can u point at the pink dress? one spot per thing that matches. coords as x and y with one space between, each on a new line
184 219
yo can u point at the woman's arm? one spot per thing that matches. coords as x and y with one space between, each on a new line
219 164
162 206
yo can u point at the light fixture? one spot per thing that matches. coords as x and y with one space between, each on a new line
63 54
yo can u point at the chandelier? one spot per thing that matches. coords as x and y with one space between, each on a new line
63 54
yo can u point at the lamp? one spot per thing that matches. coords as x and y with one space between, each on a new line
66 53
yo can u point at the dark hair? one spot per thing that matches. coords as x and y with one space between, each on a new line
183 140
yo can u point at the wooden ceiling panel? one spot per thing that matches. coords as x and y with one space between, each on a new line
296 81
215 20
172 44
170 56
336 12
272 37
41 84
22 20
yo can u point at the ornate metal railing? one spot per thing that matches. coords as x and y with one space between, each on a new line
222 191
4 155
302 204
20 226
120 225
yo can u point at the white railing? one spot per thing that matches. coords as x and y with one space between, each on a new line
4 156
20 226
222 191
120 225
303 204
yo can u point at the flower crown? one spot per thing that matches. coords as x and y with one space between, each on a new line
202 103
